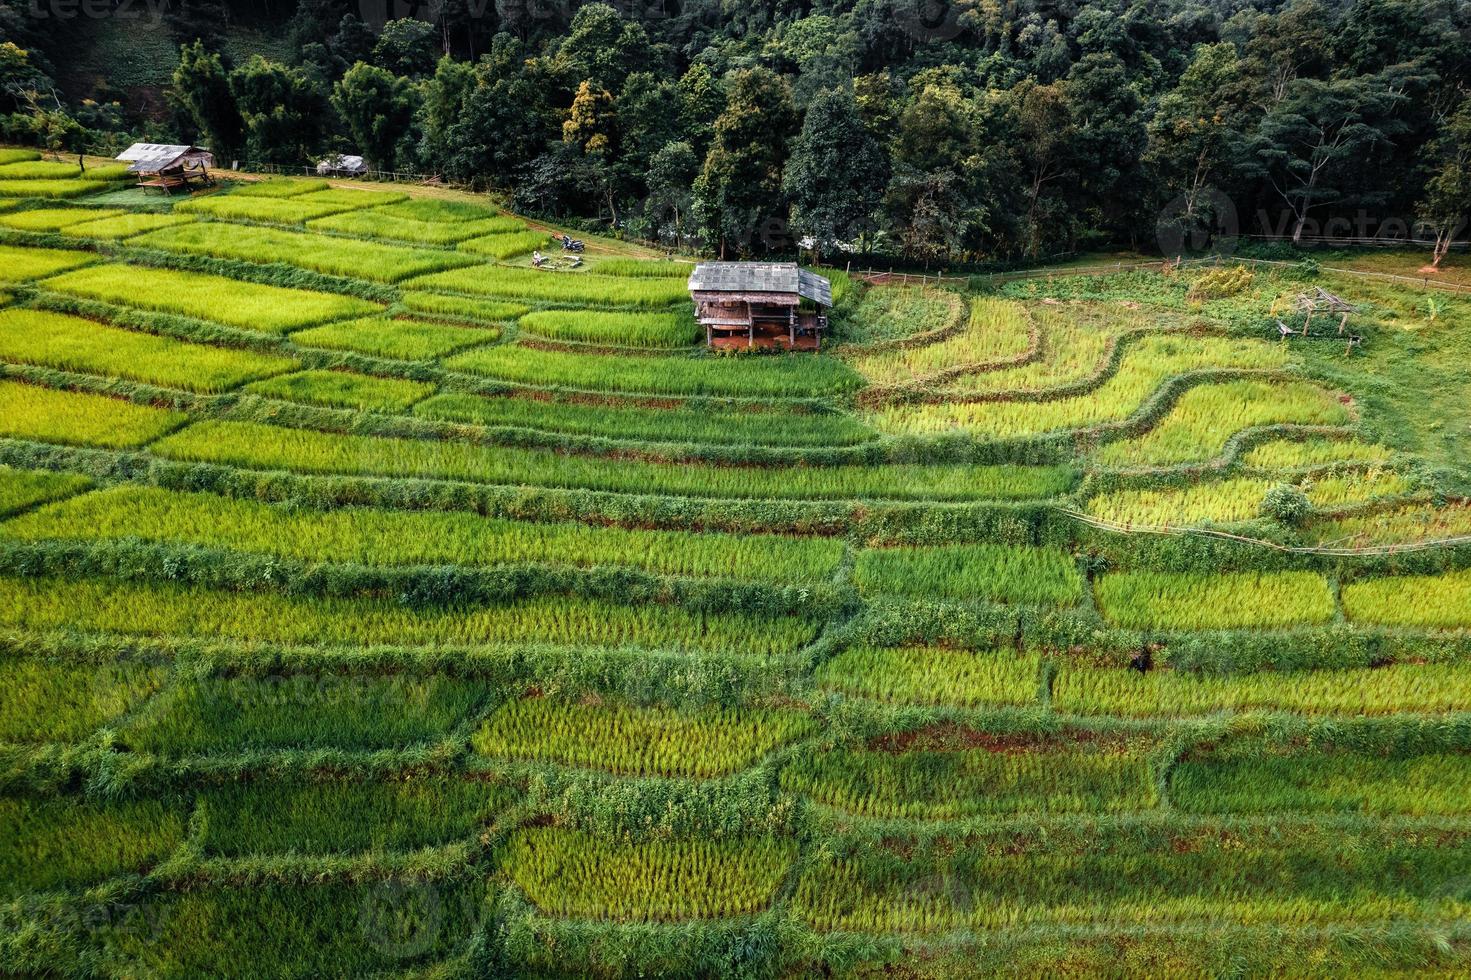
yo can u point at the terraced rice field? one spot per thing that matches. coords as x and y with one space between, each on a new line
374 604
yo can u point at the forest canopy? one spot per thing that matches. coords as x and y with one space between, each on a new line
929 130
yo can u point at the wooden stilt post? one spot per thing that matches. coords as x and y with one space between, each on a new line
1342 323
1307 321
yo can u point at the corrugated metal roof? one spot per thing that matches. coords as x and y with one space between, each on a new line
353 164
760 277
153 151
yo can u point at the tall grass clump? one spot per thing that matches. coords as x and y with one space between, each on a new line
321 253
71 343
588 289
386 537
1203 601
776 376
171 610
613 328
991 572
79 418
252 306
637 741
259 446
934 675
343 389
573 873
405 340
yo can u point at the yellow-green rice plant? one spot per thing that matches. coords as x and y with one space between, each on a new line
337 816
54 190
79 418
270 210
387 537
343 389
68 842
239 304
761 426
353 197
201 715
777 376
1426 688
52 219
1235 499
131 608
406 340
462 308
1219 283
278 187
16 155
1427 601
506 244
125 225
934 675
670 268
1205 417
638 741
1152 600
613 328
1248 775
1291 454
385 225
574 874
998 330
1146 365
24 264
1001 774
1075 341
1417 522
981 572
20 489
260 446
59 701
328 254
432 209
591 289
39 170
70 343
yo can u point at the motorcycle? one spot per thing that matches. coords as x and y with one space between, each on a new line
572 244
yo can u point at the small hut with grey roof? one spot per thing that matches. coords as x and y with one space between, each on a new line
166 166
760 304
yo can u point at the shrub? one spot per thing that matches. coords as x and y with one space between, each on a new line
1287 505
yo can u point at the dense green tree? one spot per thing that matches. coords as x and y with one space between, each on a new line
202 87
440 110
836 174
601 47
407 46
377 107
672 172
284 112
738 197
1446 207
